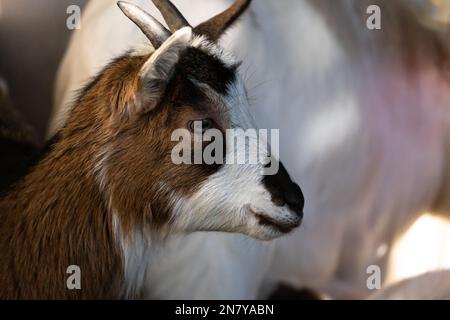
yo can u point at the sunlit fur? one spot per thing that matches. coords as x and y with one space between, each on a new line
107 193
364 118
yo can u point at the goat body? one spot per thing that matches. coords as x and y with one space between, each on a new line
108 189
364 118
45 230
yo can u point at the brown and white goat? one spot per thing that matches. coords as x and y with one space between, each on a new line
108 189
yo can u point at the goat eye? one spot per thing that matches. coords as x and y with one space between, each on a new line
205 124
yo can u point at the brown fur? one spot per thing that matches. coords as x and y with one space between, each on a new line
215 27
59 216
108 175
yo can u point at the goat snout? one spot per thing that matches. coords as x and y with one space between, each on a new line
284 191
293 197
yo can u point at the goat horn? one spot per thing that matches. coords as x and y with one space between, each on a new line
152 28
175 20
216 26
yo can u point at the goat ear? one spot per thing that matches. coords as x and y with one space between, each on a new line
157 70
215 27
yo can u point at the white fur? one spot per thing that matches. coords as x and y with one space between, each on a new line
135 256
134 250
364 138
161 65
202 43
218 204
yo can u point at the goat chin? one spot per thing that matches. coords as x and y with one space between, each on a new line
349 114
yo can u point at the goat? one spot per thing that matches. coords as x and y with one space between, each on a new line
107 189
364 117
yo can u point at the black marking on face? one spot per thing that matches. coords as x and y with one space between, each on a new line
284 191
207 69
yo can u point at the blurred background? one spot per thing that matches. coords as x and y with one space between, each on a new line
39 33
34 38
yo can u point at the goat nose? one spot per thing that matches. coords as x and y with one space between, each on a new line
294 199
284 191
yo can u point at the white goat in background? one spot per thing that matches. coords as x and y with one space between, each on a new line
430 286
364 118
